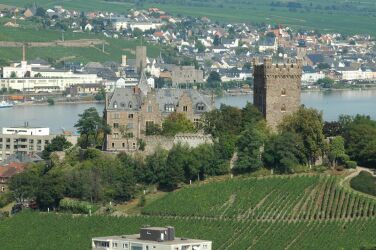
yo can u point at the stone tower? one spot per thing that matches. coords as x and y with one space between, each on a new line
276 89
140 58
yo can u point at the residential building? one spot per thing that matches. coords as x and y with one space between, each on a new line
277 89
7 171
150 238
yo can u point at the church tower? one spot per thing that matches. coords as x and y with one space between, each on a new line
276 91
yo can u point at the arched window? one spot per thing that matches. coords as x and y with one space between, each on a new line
283 92
130 105
200 106
115 104
283 108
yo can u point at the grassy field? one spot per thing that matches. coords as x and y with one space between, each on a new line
332 15
306 212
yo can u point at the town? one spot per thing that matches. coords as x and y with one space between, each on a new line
154 150
329 60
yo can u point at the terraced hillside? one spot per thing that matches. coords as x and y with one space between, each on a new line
305 212
302 198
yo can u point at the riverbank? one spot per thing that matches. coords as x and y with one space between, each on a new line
59 103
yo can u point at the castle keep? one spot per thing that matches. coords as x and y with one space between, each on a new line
276 89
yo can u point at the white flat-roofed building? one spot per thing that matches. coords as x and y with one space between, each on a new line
23 140
48 84
150 238
26 131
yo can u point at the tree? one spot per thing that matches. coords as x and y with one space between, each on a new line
175 165
59 143
250 115
50 190
200 47
224 120
249 150
283 152
155 166
89 125
22 186
308 124
124 185
332 129
40 12
13 74
360 139
336 153
177 123
325 82
204 155
214 77
153 129
322 66
101 95
137 33
216 40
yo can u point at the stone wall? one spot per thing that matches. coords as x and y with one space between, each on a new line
193 140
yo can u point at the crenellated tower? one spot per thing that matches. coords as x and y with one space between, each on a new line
276 88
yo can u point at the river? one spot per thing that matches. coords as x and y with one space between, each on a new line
64 116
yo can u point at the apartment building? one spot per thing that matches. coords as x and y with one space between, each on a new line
23 140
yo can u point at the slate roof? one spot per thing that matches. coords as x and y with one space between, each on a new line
316 58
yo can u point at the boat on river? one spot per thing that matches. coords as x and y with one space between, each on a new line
4 104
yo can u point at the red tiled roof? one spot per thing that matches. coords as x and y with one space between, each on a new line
11 169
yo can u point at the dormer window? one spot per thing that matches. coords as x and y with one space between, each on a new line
200 107
115 105
130 105
169 107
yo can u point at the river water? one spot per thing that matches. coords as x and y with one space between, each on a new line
64 116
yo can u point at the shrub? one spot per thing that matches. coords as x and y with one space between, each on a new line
365 183
350 164
75 206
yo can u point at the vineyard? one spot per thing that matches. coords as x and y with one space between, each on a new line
302 198
305 212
